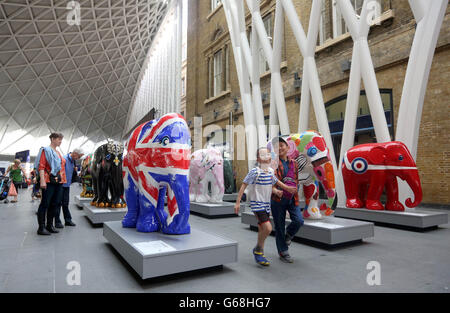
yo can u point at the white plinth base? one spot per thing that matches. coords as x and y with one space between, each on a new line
213 209
415 218
157 254
79 201
102 215
329 230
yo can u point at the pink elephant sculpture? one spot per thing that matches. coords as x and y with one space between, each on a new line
206 168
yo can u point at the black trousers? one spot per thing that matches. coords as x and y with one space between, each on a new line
17 186
65 206
51 198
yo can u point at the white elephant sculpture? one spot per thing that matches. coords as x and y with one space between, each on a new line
206 167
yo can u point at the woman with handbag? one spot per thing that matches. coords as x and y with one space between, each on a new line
15 173
52 175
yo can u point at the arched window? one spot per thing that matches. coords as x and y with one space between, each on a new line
365 133
217 34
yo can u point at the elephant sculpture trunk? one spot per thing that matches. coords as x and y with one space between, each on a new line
413 181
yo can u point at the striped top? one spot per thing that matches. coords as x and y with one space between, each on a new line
260 188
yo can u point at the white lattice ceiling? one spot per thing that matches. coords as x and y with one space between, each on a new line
78 80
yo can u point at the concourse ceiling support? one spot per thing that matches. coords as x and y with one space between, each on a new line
429 16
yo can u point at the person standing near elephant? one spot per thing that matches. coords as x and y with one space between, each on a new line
70 169
15 172
283 201
52 175
261 178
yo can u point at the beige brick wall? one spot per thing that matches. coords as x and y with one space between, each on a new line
390 44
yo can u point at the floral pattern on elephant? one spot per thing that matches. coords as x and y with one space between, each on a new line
368 169
157 163
206 168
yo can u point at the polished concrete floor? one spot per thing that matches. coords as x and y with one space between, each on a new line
409 261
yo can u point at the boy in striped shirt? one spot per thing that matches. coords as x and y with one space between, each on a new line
261 179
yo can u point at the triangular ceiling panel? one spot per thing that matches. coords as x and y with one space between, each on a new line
54 76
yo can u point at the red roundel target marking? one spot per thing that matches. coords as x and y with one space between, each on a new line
359 165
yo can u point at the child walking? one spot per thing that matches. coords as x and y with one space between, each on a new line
261 179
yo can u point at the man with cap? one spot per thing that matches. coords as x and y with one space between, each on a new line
283 201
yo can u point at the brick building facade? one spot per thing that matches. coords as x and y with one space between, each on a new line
212 88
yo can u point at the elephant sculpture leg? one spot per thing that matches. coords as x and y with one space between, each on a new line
117 188
202 191
147 220
175 219
217 192
94 188
311 193
103 189
132 198
352 191
392 203
375 190
193 190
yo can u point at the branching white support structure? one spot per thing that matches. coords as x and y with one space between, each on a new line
242 65
361 68
429 16
260 38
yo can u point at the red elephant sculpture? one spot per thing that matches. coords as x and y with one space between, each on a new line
369 168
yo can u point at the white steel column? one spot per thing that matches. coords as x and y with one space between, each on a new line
307 47
277 93
359 31
243 77
255 76
429 16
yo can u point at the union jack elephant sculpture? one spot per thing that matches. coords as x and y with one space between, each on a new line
157 162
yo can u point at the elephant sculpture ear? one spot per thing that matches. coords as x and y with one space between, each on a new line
377 155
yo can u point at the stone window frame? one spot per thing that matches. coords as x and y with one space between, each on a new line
386 14
217 72
218 45
271 13
338 20
215 4
213 11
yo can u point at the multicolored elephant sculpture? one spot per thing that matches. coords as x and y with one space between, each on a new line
310 152
86 177
206 168
367 169
314 163
106 174
157 161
